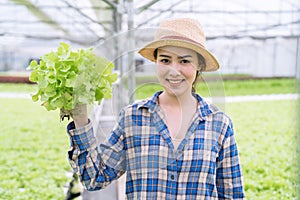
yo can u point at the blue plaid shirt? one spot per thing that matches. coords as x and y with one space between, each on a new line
204 166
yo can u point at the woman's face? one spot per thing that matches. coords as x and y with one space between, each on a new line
176 69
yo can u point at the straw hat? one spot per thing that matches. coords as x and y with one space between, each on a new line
183 32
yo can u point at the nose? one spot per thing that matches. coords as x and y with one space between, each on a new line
175 69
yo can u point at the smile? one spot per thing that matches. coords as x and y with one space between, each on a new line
175 81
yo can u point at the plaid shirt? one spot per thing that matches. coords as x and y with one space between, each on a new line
204 166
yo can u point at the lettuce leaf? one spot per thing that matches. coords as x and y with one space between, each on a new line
66 78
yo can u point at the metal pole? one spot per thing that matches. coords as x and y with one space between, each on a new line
131 63
297 67
119 65
274 63
116 30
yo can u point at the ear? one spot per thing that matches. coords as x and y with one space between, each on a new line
201 67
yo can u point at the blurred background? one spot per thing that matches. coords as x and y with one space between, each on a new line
257 46
255 38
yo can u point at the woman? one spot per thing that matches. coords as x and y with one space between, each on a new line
173 145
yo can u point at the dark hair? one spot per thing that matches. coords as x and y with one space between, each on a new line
155 54
202 66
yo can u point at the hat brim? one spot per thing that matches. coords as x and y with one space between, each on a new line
148 50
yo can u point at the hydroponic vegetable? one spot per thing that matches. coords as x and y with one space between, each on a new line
66 78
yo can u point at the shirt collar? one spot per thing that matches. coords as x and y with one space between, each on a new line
204 109
151 103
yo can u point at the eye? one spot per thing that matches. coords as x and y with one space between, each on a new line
185 61
164 60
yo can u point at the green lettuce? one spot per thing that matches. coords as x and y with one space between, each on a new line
66 78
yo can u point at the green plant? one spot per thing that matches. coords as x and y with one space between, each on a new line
66 78
33 150
33 158
266 134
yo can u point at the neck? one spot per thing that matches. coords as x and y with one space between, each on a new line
176 101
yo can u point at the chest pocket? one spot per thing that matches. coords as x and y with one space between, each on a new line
199 155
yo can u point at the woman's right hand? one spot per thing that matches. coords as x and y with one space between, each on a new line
79 115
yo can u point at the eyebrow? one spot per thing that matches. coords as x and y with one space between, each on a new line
180 57
162 55
186 56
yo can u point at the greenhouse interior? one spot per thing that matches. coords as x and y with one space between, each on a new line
260 39
251 39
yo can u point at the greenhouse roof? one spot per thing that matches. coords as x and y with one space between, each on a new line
31 23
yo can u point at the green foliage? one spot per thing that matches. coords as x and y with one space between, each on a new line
33 152
18 88
148 85
66 78
229 87
266 134
263 86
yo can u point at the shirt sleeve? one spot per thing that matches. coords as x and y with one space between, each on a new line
229 172
96 165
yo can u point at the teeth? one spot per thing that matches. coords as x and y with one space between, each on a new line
174 81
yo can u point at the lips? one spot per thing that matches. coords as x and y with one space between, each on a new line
175 82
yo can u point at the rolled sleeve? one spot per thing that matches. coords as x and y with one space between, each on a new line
83 138
97 165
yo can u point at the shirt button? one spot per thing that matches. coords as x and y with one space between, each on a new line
172 177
